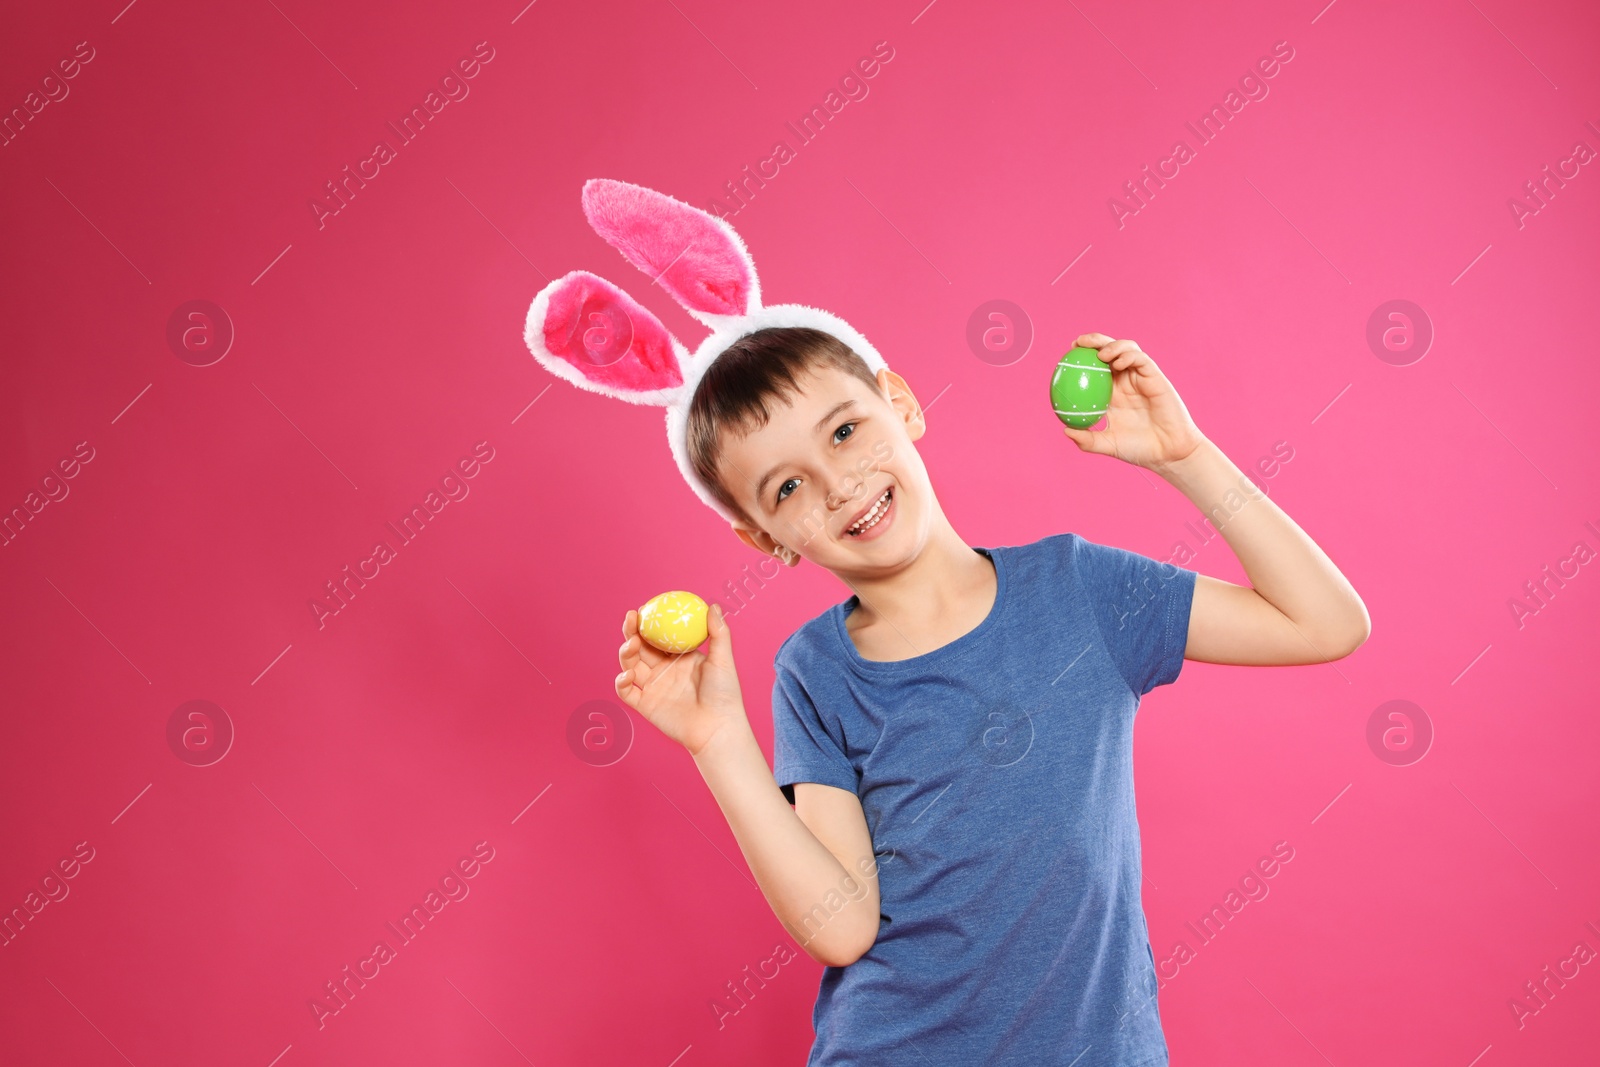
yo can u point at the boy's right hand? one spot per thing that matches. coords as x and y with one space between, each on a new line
688 696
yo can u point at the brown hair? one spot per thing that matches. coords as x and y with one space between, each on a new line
757 368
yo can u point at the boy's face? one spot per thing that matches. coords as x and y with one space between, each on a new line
833 476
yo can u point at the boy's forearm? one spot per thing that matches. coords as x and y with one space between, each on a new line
795 871
1285 566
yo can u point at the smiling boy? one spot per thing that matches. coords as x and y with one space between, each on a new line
949 825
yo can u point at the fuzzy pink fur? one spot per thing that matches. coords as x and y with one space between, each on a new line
695 256
603 334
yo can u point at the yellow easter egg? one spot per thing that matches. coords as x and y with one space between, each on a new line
674 622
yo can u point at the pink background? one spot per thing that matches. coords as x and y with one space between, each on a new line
374 352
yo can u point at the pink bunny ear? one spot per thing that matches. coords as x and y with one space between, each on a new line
695 256
586 330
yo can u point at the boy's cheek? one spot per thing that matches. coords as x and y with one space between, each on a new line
882 451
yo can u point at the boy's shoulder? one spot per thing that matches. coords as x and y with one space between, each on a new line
818 637
814 639
1041 559
1057 545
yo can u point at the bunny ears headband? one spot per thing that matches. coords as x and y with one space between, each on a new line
588 331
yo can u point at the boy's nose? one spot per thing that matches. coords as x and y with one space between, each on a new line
848 485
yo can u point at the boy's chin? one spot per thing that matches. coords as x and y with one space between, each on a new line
887 552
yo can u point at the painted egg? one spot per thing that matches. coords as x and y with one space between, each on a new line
1080 389
674 622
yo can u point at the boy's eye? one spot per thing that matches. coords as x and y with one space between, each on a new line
841 434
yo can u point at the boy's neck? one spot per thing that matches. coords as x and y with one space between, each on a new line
943 594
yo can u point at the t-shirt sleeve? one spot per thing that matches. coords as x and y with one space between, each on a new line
1142 608
802 748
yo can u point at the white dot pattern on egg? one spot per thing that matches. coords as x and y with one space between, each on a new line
1076 402
674 622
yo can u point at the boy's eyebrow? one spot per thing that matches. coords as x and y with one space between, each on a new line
761 486
840 406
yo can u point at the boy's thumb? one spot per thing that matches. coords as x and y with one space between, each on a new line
1086 440
721 652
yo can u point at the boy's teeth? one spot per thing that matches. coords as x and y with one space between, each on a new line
870 519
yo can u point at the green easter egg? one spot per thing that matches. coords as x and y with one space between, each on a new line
1080 389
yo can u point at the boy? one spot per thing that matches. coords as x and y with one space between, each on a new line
962 851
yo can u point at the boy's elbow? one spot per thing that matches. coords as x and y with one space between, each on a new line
843 951
1353 636
1364 632
842 956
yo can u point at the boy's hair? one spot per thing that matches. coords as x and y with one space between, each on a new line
759 367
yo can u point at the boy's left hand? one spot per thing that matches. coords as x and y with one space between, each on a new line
1146 424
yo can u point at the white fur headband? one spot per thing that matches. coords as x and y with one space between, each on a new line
588 331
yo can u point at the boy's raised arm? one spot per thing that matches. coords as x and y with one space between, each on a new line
804 866
1298 608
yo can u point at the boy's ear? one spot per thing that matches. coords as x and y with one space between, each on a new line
904 402
763 543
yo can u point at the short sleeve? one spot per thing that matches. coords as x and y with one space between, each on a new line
1142 608
802 749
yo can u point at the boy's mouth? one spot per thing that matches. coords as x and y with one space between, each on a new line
872 516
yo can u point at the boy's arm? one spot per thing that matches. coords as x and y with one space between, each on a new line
806 859
1299 608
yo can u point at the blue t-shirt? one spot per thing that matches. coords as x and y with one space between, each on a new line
996 774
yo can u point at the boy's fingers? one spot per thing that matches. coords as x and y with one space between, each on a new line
1092 340
626 691
635 647
1116 349
649 654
